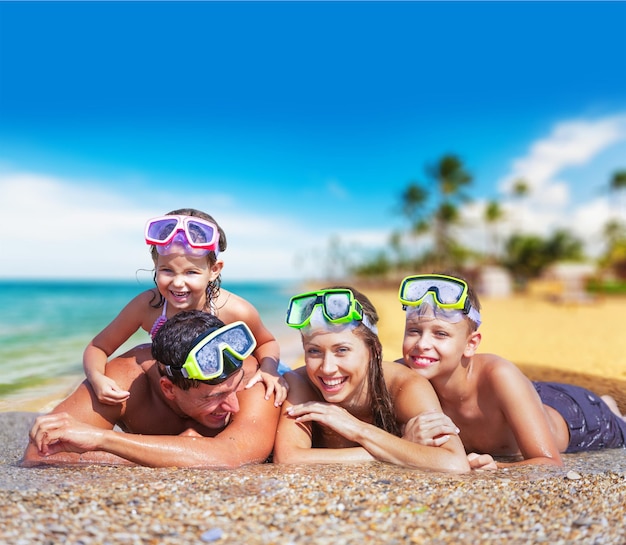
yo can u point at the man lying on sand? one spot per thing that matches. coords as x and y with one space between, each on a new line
187 406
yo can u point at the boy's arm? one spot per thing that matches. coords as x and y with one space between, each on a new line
524 412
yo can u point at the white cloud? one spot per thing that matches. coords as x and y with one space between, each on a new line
67 230
569 144
547 167
59 229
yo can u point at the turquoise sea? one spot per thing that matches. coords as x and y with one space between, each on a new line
45 326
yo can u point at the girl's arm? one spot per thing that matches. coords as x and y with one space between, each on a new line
267 351
97 352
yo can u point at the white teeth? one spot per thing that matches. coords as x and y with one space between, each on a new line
332 381
425 361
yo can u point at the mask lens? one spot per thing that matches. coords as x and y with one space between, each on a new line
200 233
447 292
300 309
337 305
208 353
239 340
209 360
160 230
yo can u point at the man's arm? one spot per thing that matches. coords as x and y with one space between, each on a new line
81 424
248 439
79 406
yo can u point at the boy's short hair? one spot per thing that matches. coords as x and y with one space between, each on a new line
173 341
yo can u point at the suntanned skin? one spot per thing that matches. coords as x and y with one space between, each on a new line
339 428
492 402
222 426
189 275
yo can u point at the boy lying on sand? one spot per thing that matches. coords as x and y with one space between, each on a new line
489 402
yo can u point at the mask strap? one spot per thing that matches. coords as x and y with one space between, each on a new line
319 321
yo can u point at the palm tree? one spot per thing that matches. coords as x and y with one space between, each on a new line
450 178
519 191
494 214
618 185
413 201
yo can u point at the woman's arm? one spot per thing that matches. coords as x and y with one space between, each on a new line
294 439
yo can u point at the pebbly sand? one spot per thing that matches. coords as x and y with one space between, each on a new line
584 502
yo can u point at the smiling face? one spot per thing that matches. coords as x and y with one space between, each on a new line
211 406
183 279
337 364
436 347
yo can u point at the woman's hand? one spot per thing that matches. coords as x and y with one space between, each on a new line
332 416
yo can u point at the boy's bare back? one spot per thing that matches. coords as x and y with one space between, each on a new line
499 412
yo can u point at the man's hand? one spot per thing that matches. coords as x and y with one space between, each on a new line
60 432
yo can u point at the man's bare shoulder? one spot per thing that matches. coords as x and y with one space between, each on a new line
124 369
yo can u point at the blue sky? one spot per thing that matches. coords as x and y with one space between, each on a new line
295 122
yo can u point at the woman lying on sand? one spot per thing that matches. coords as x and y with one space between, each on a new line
346 404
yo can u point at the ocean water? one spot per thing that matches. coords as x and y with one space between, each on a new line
45 325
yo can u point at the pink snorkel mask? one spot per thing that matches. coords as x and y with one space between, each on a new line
189 234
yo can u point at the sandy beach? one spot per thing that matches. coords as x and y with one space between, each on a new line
584 502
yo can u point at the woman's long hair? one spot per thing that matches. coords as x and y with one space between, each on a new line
383 412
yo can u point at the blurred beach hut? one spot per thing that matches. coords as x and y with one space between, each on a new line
564 283
494 281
